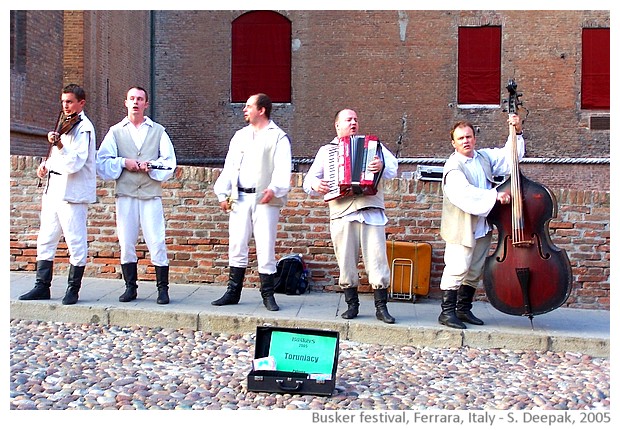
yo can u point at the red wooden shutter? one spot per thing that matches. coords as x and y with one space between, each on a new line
595 63
479 65
261 56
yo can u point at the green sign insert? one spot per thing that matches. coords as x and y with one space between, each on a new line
305 353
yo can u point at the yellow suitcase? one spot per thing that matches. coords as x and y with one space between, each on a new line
410 266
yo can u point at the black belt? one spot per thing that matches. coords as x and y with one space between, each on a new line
247 190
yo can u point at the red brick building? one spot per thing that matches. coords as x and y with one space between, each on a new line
403 71
409 74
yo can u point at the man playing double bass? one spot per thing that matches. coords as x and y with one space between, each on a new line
468 197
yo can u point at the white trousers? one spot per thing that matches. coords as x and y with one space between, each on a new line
148 214
59 217
247 219
464 265
347 238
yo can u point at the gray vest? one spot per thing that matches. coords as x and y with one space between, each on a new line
138 184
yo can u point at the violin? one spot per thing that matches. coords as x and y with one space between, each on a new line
64 125
527 274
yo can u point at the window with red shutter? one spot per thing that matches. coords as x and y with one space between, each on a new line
595 62
479 65
261 56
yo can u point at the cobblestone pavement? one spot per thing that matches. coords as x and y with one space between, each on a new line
87 366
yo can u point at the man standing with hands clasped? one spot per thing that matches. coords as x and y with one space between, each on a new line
252 187
468 197
139 155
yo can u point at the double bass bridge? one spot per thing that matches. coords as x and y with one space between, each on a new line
523 243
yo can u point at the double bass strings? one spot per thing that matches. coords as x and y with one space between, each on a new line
515 191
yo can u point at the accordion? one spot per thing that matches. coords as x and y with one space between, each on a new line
346 167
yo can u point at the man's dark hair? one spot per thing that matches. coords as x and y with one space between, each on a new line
76 90
263 101
146 94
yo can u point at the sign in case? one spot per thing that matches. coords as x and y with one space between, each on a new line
294 360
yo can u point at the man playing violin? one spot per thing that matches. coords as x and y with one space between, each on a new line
138 154
71 184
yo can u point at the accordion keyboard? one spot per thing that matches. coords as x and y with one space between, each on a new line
330 173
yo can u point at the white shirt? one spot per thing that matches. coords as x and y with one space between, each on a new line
373 216
240 166
75 179
110 165
478 198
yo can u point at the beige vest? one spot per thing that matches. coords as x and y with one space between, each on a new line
346 205
458 226
138 184
266 166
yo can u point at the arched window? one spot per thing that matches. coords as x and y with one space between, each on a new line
261 56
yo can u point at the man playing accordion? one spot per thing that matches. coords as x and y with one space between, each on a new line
356 221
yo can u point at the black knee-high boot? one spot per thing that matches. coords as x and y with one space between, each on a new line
448 316
43 282
74 282
464 300
161 275
130 275
381 298
267 288
235 285
352 300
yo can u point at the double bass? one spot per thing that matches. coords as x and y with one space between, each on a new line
527 274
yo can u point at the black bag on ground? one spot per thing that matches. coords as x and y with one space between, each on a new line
291 275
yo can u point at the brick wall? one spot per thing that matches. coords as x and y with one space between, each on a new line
198 232
82 47
73 57
397 69
36 79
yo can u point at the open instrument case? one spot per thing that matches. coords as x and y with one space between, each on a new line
295 361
